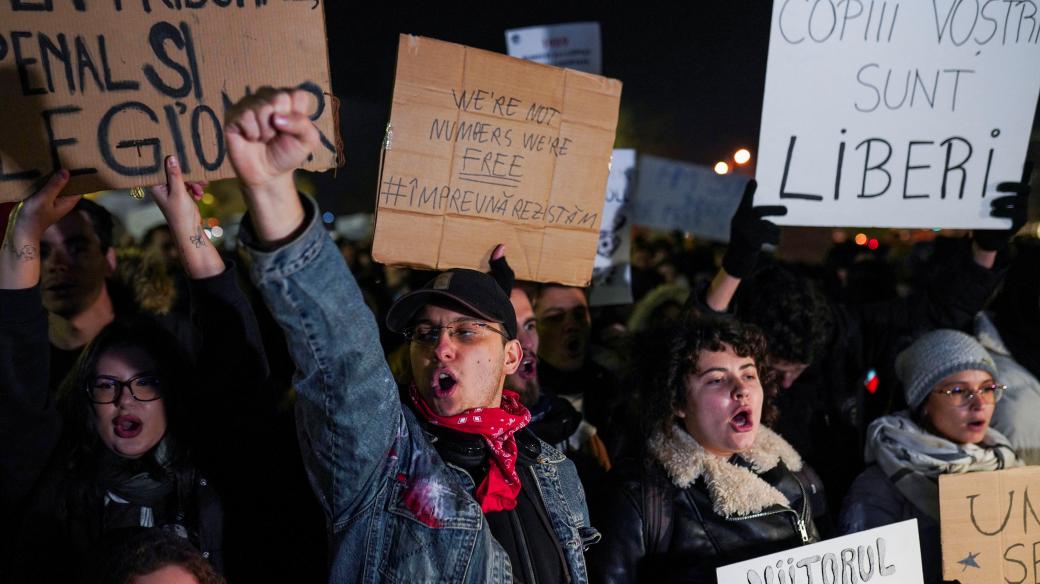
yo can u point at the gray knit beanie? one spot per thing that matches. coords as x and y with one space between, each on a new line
935 355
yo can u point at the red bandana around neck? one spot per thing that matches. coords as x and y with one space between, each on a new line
499 489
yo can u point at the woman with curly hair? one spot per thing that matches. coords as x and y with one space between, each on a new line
150 556
715 486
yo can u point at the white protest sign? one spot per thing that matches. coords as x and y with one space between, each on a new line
574 46
690 197
883 555
612 270
896 114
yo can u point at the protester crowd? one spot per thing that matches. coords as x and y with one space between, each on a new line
293 411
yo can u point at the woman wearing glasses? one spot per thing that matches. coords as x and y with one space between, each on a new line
112 453
950 384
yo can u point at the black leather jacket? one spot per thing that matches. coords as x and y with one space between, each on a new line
655 531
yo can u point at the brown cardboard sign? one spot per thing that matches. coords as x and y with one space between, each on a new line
991 526
485 149
108 88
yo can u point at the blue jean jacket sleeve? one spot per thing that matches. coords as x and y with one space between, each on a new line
347 409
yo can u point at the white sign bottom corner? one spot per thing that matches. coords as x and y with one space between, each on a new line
887 555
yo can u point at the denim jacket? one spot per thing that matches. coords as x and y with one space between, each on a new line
396 511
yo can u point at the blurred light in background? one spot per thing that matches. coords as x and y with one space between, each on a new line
742 156
721 167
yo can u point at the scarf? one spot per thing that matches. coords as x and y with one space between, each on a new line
134 490
913 458
497 426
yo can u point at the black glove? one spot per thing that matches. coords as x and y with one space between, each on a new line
1014 207
503 274
748 230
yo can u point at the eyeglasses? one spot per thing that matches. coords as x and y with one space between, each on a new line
960 395
469 331
104 389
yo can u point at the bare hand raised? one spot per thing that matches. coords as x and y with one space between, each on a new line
45 207
178 199
178 202
269 134
20 249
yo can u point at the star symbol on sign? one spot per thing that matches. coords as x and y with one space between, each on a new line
969 561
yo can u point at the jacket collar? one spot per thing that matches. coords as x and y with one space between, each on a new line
734 489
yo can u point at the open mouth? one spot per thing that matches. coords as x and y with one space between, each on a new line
742 421
127 426
977 425
443 382
573 347
528 368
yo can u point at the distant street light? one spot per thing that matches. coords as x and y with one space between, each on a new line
721 167
742 156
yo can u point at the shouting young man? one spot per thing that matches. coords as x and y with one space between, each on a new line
450 486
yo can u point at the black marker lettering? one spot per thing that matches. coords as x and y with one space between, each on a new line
23 63
105 147
909 167
56 143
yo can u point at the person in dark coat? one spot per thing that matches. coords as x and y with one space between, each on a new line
114 450
949 382
715 485
835 359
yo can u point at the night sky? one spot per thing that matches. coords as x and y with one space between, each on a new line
693 77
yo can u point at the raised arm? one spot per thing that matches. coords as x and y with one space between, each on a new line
347 405
1014 206
30 425
749 229
226 334
20 250
178 202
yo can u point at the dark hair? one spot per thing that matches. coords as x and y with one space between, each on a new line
100 220
794 315
152 232
175 370
667 357
139 551
537 293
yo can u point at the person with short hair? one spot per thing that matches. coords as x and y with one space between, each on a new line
951 387
713 485
565 365
450 486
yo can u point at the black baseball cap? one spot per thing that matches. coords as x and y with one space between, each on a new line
477 292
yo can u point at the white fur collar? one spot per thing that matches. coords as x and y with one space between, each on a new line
734 490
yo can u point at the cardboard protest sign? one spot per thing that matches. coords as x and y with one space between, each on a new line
485 149
108 89
884 555
990 526
612 270
689 197
574 46
896 114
